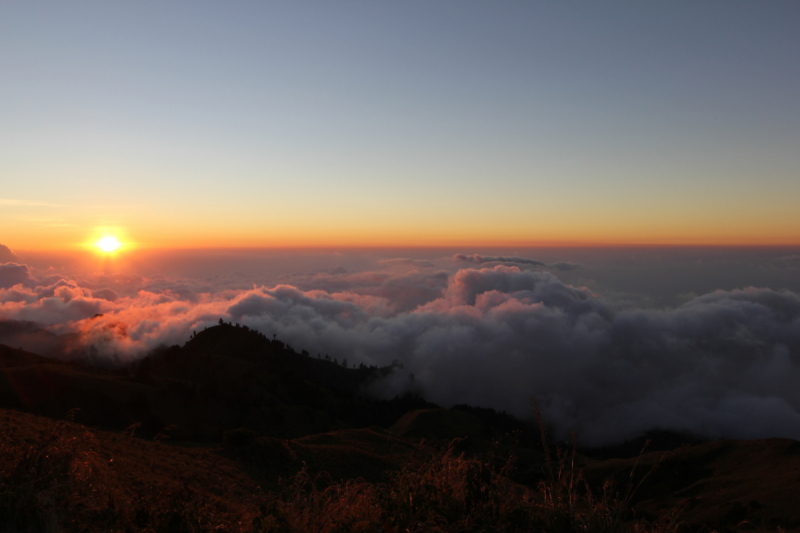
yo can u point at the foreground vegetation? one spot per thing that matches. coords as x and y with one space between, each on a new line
63 481
454 493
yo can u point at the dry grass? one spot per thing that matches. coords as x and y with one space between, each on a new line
453 493
60 481
64 479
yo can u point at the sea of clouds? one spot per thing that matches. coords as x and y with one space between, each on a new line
493 331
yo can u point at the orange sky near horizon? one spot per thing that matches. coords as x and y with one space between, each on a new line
175 235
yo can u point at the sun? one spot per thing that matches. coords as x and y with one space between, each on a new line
108 244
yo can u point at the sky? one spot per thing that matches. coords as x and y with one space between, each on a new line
362 124
594 204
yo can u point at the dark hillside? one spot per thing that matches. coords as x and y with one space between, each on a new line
279 358
28 336
723 485
93 480
225 377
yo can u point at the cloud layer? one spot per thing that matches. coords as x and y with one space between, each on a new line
724 364
6 255
479 260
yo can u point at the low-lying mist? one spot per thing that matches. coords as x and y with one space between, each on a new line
492 330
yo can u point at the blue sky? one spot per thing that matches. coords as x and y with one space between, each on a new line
209 123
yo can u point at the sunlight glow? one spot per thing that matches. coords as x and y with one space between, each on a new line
108 244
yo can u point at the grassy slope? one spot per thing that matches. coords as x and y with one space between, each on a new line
722 483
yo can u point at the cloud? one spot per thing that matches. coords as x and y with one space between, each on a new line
13 274
403 291
59 304
6 255
723 364
105 294
479 260
404 261
564 266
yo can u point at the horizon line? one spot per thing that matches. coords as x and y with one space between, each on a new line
133 247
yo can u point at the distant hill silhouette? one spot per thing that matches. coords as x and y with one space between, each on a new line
224 378
29 336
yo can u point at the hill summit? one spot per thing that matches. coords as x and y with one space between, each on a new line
224 377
